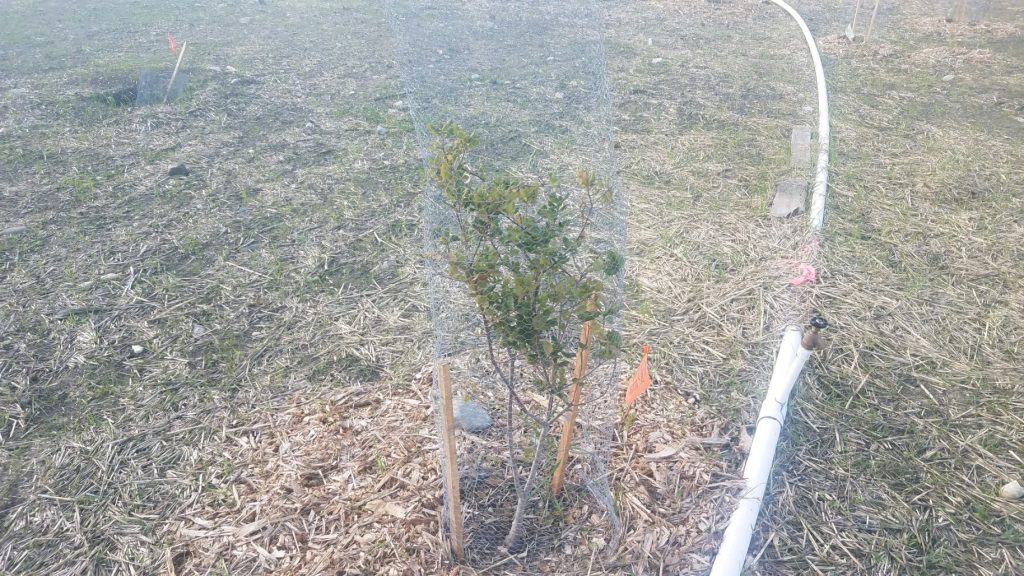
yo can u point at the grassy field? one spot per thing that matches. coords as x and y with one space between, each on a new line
276 415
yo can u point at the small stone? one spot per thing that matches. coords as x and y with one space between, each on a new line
244 20
110 276
86 284
179 170
657 60
230 69
214 69
550 58
1012 491
559 95
136 349
13 230
474 76
471 416
198 330
948 77
382 130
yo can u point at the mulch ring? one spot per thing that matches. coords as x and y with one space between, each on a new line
349 484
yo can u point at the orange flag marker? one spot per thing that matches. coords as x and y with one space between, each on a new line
641 379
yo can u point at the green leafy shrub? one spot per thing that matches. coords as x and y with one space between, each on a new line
523 253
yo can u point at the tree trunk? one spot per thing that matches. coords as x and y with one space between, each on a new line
512 541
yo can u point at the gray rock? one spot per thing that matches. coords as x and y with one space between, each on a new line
1012 491
471 416
13 230
382 130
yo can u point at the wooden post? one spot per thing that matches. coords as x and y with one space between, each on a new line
582 355
961 12
871 25
451 465
174 74
856 11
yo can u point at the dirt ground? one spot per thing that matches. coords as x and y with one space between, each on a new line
221 373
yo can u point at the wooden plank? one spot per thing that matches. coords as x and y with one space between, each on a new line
569 427
451 464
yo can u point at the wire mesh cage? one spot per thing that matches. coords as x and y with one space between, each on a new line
525 82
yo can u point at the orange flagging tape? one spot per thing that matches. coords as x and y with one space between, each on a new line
641 379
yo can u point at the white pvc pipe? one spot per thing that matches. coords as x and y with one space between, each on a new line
817 213
732 553
792 357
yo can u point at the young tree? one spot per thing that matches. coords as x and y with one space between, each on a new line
523 253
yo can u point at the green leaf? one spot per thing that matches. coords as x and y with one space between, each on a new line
613 263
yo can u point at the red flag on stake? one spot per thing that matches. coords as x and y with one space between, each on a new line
641 379
171 44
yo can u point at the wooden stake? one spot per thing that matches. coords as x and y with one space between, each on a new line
582 355
174 74
961 12
871 25
856 11
451 465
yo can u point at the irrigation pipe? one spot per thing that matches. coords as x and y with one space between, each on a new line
792 356
817 213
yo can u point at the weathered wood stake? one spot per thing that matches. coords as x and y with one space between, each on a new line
174 74
961 12
451 465
871 25
580 368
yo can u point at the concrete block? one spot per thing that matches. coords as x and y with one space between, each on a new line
790 197
801 148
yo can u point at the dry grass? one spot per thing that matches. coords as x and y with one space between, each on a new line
270 425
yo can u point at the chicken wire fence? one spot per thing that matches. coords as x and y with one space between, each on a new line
528 79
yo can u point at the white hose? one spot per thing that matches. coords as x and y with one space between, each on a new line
732 553
817 213
792 357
